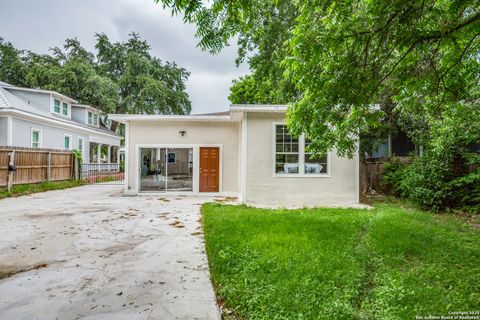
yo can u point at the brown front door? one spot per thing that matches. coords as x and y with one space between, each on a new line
209 169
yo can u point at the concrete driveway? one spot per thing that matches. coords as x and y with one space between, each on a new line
91 253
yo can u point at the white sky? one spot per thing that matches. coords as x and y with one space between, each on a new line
38 25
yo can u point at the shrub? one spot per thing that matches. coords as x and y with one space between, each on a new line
392 176
436 183
425 182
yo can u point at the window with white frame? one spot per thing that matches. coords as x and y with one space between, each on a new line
67 142
36 138
92 118
56 106
314 165
287 154
292 156
80 145
65 109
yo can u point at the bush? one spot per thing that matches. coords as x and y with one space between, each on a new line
425 182
435 183
392 176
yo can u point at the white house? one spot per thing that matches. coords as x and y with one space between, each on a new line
47 119
245 152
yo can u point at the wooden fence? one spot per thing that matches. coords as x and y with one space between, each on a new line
35 165
371 174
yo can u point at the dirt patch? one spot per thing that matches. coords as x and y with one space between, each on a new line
164 199
226 199
7 272
196 233
177 224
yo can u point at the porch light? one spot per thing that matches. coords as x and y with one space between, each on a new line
182 132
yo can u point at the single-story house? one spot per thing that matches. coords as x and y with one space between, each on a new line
246 152
35 118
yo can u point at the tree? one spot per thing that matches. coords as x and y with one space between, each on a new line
345 56
120 77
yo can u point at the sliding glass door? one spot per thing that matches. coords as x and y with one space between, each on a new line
166 169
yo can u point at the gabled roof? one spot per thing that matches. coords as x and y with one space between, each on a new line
12 103
12 87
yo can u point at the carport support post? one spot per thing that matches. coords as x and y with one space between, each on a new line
99 152
109 153
11 162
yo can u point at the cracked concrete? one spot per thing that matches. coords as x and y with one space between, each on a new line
91 253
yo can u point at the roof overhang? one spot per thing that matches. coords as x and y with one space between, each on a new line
58 123
123 118
281 108
10 87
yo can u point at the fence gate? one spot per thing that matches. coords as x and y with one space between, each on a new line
101 173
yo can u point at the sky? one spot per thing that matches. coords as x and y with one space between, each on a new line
39 25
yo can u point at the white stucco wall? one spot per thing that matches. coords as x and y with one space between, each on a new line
156 133
265 189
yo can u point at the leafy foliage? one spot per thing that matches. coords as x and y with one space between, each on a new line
437 183
120 77
342 56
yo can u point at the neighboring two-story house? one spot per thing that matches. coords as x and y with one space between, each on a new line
47 119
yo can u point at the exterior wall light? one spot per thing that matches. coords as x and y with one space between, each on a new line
182 132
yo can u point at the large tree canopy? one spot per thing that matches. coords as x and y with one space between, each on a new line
343 57
120 77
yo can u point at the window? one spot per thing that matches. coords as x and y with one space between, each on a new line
286 151
313 165
36 137
292 156
92 118
80 145
171 157
56 106
66 141
65 109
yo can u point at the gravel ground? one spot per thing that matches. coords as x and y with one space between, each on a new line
92 253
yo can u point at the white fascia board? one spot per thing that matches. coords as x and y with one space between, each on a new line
86 106
123 118
54 122
258 108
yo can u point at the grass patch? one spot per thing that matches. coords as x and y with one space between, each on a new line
386 263
24 189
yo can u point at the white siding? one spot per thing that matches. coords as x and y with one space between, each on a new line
79 114
39 100
3 131
265 189
52 137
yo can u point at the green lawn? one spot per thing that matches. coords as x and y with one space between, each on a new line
24 189
386 263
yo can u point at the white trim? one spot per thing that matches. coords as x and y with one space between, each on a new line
69 141
39 137
122 118
126 161
59 123
86 106
281 108
9 131
301 158
196 165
